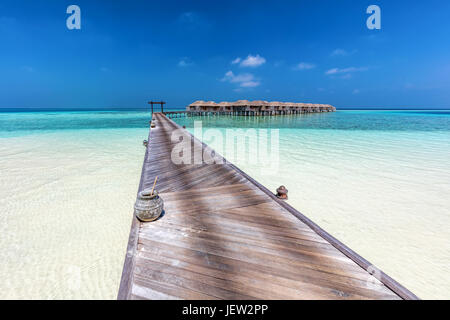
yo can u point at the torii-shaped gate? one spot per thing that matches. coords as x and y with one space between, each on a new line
162 103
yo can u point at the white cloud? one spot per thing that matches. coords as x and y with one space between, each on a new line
231 77
341 53
335 71
185 62
304 66
236 61
244 80
253 61
332 71
250 84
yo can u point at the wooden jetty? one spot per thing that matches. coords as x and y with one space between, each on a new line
225 236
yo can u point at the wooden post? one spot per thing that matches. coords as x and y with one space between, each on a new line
157 102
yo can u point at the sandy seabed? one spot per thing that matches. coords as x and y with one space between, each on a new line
66 203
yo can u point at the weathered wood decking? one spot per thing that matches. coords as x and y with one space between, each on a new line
224 236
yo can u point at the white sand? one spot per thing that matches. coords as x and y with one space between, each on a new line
66 202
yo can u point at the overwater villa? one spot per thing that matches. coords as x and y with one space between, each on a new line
257 107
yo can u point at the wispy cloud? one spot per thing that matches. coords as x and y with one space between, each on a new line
244 80
250 84
253 61
339 52
342 53
304 66
236 61
185 62
336 71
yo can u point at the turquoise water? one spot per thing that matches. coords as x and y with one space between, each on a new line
438 120
17 123
377 180
25 123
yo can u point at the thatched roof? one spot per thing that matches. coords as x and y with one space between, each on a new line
205 104
258 103
241 103
197 103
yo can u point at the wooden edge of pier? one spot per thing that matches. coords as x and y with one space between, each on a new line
132 247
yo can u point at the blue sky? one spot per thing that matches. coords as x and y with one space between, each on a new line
128 52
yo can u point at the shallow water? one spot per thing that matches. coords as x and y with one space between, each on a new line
66 201
377 180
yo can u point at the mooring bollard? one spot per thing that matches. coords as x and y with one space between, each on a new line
282 193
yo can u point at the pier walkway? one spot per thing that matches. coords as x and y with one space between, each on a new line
225 236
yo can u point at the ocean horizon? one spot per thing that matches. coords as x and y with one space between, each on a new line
157 109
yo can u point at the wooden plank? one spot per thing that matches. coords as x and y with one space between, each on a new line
129 262
226 266
260 284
